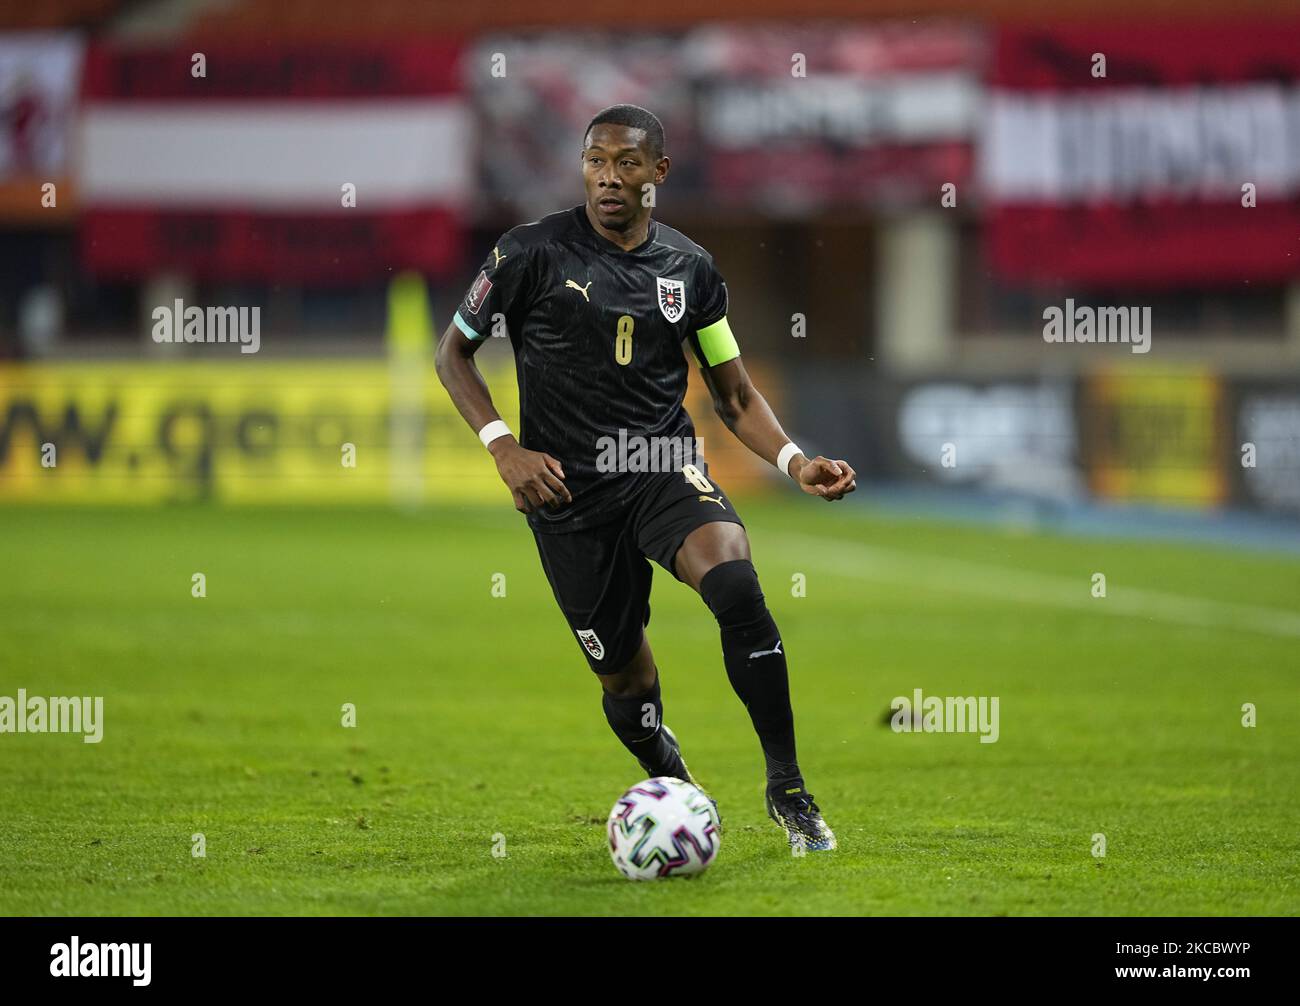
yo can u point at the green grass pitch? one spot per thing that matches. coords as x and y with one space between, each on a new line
477 717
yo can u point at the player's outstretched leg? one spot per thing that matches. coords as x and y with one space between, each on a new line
756 666
635 712
634 709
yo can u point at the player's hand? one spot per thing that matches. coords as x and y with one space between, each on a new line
828 479
533 478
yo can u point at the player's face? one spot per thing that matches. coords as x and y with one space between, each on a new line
617 170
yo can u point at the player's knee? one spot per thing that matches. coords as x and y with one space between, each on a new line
632 680
731 591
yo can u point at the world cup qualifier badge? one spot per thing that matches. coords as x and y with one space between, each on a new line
592 642
672 298
478 292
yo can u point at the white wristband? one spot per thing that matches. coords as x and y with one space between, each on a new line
494 429
783 459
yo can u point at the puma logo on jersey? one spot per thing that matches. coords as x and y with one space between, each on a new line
498 256
581 289
712 500
767 653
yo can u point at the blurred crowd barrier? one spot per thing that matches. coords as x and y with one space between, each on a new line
897 205
325 432
302 432
1185 437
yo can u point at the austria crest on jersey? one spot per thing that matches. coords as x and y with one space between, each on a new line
592 642
672 298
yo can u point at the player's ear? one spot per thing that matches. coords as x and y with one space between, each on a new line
661 169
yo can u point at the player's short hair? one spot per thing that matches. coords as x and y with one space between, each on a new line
637 118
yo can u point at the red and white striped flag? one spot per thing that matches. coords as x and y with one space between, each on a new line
315 163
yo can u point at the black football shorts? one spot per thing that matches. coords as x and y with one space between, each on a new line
601 576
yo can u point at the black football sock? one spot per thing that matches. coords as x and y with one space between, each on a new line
628 716
755 660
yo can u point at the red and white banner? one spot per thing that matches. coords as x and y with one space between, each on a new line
1180 165
795 119
306 163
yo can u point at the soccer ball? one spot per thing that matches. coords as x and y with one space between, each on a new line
663 827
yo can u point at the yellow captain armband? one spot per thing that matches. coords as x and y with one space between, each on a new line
717 343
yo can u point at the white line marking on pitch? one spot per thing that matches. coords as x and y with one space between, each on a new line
871 562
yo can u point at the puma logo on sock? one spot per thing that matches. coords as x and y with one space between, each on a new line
765 653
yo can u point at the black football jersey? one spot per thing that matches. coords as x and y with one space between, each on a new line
597 337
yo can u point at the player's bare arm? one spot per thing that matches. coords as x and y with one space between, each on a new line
535 479
747 414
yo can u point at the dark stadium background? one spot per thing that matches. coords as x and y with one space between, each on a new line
822 198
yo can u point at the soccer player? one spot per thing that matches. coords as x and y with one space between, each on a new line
597 301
